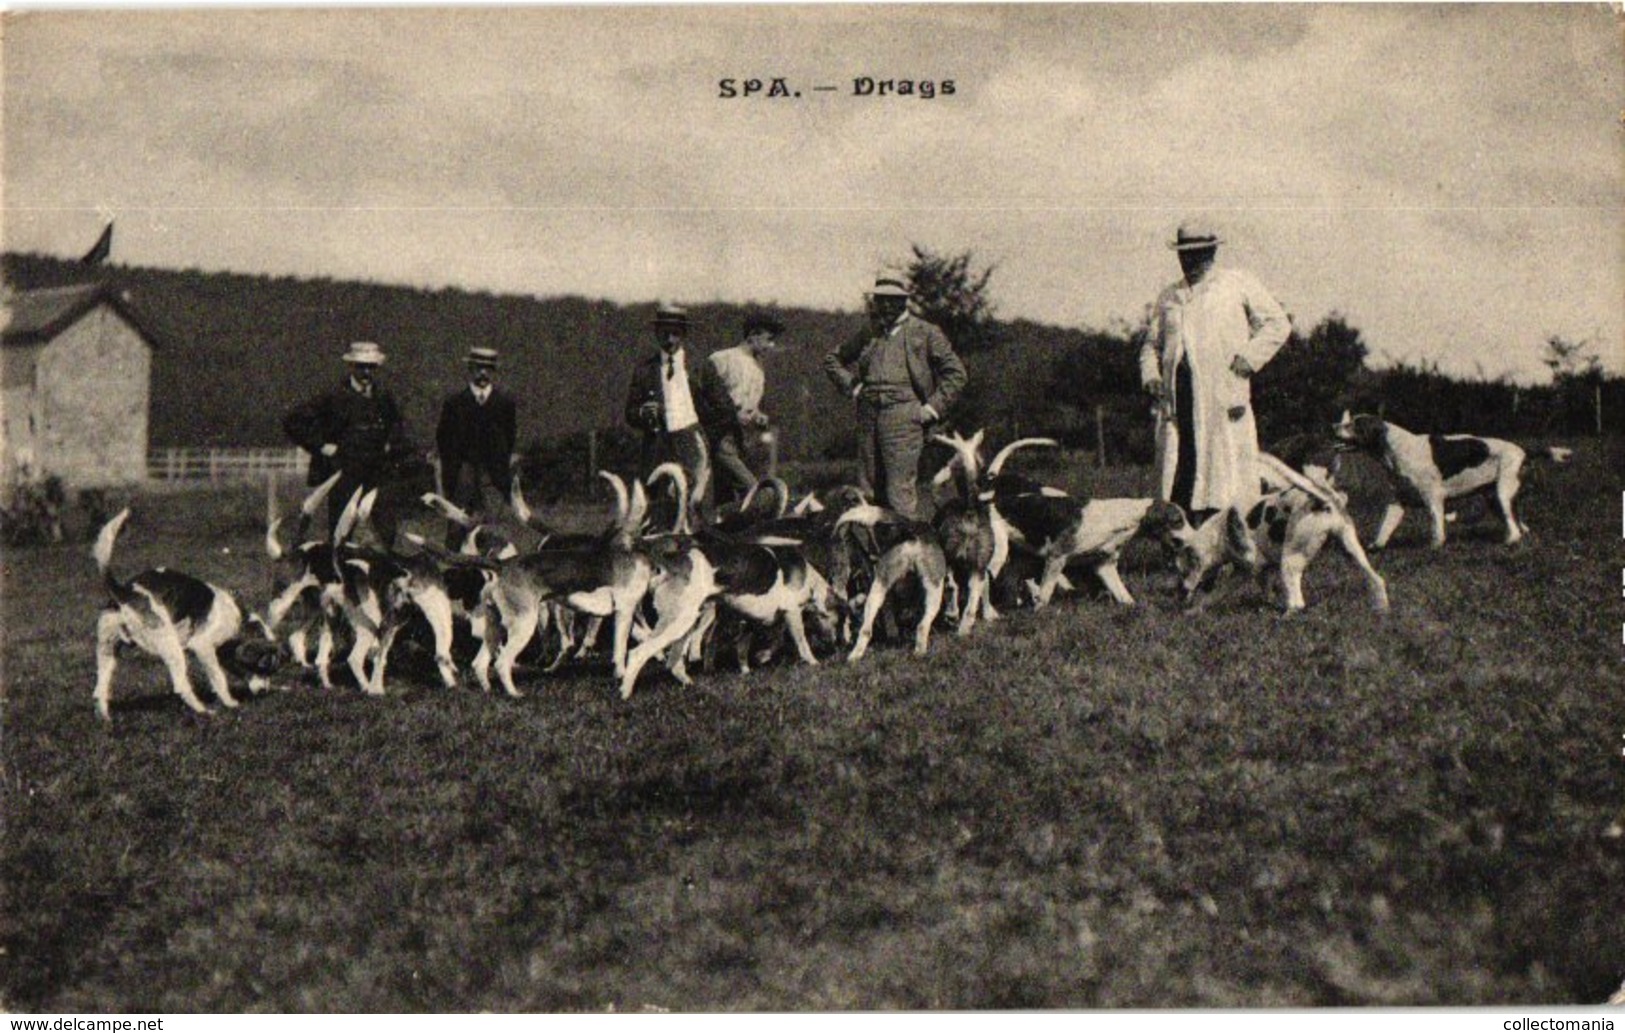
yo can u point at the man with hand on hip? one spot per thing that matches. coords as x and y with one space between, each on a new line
355 429
1210 332
904 375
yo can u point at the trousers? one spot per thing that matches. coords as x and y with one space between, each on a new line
687 448
890 439
472 487
733 476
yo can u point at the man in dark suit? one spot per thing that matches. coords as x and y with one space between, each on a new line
904 375
474 441
355 429
672 398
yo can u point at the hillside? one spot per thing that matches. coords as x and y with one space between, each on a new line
240 350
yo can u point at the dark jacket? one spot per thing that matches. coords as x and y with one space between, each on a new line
368 431
475 435
934 370
712 404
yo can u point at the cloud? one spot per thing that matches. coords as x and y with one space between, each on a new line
1444 174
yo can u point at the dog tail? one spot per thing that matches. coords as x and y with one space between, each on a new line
810 504
448 509
674 473
273 547
313 501
446 557
1272 471
781 496
103 554
521 508
867 514
965 459
781 493
355 526
622 507
307 513
997 465
1556 453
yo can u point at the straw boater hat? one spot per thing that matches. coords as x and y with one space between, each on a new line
482 357
1194 235
890 287
670 315
364 353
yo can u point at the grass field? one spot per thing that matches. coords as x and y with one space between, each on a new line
1084 807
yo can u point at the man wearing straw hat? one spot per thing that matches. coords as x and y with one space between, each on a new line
355 429
672 398
1210 332
475 439
904 375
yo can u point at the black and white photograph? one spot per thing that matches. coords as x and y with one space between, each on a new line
812 508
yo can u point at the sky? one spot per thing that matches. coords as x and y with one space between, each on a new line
1449 178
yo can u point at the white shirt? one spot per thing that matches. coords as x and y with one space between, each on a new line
481 394
742 375
675 397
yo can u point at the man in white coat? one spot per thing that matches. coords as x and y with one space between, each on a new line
1210 332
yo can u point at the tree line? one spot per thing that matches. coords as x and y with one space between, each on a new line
238 350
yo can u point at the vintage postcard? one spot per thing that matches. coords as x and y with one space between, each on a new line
807 508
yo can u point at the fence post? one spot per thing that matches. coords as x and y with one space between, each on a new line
270 496
1596 402
592 455
1100 436
772 440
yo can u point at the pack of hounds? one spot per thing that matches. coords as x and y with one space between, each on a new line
771 568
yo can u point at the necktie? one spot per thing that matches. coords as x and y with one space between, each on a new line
671 367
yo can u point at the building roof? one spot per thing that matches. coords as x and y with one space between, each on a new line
40 315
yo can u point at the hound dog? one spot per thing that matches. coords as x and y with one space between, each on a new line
763 579
1429 470
1283 531
168 614
608 578
305 583
380 589
907 548
975 535
836 558
1058 528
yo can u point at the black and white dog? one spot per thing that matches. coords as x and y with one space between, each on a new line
169 614
1282 532
1428 470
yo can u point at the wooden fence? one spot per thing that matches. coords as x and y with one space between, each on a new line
225 465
